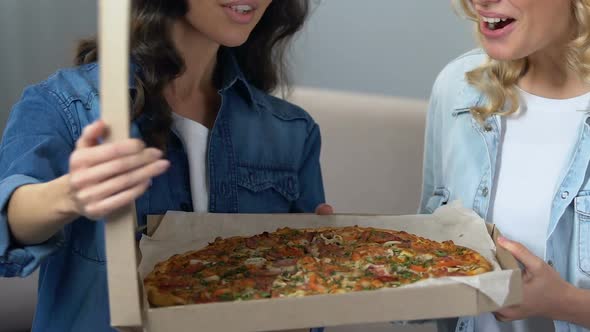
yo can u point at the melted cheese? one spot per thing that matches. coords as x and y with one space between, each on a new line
335 239
256 261
391 243
212 278
407 253
297 293
425 257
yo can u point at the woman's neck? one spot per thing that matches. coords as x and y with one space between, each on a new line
548 75
193 94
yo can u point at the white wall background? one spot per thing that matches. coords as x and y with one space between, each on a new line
36 38
393 47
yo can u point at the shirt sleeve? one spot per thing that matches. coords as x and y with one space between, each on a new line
429 159
310 175
35 148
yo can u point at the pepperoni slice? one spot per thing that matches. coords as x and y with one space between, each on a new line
251 242
264 283
266 273
272 255
382 237
194 268
388 278
332 250
263 239
174 283
285 262
309 236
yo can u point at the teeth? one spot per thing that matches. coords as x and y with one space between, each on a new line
242 8
493 19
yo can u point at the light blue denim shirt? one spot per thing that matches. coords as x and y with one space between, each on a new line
460 164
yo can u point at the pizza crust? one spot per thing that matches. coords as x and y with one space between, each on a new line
159 298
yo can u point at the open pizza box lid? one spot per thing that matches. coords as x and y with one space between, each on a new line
129 309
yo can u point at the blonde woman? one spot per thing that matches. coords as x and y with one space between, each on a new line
508 134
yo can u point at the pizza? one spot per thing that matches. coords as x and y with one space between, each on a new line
299 262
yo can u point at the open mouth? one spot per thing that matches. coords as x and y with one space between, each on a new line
241 9
496 23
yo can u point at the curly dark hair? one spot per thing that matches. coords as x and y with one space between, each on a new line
262 58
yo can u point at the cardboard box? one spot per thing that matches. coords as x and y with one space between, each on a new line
128 309
405 303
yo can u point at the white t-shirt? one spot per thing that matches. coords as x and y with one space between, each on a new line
195 138
536 144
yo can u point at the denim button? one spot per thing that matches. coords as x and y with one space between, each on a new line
550 263
565 195
487 128
485 191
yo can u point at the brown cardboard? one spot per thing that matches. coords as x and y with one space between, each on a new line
114 23
153 222
330 310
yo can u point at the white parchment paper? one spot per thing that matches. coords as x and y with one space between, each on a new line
180 232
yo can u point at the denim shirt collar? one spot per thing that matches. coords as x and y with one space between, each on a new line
232 77
469 97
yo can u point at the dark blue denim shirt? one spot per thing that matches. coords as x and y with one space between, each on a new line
263 157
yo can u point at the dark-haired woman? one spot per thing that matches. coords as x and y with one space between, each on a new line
207 137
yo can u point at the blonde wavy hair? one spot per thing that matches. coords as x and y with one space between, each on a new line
497 79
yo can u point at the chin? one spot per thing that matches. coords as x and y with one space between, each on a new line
500 52
233 39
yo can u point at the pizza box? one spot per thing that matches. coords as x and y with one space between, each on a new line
437 298
129 311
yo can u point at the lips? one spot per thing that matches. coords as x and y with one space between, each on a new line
240 11
495 25
241 6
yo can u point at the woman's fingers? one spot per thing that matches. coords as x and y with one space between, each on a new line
109 169
91 134
91 156
113 203
120 183
324 209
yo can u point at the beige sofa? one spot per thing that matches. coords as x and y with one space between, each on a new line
371 160
371 149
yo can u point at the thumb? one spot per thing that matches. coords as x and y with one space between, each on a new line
531 262
91 134
324 209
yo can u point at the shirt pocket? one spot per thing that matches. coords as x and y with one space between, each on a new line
265 190
86 239
582 224
439 197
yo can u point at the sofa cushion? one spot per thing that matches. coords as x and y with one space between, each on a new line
371 149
